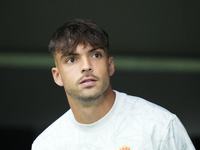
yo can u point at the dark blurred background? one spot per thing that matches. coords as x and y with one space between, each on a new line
151 30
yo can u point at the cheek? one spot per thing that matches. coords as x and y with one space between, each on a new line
67 76
103 70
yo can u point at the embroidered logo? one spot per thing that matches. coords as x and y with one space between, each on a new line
125 147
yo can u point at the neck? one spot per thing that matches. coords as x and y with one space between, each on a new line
87 114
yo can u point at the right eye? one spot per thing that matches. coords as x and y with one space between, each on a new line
71 60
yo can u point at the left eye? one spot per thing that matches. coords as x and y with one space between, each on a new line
97 55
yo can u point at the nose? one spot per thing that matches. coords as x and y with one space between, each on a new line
86 65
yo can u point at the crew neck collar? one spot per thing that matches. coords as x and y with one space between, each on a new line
100 124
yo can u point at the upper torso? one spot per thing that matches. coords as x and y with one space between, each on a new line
132 121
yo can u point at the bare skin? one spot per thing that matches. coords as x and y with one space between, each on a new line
91 114
85 75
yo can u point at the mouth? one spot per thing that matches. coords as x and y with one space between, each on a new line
88 81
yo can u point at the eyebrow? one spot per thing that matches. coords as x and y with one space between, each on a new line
94 49
65 55
75 54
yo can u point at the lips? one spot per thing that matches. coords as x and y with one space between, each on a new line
88 82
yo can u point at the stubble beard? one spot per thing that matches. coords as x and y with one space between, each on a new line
86 97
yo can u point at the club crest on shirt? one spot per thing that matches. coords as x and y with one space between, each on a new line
125 147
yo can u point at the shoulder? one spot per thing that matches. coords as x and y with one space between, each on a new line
147 118
152 123
134 103
144 111
60 127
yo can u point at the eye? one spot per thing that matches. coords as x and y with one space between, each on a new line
71 60
97 55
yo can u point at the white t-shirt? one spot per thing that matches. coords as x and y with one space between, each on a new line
132 123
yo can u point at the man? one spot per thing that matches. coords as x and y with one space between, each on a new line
101 118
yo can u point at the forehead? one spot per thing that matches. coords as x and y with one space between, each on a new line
82 48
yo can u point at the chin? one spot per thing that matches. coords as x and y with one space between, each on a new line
91 97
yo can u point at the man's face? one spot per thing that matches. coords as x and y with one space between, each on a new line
85 73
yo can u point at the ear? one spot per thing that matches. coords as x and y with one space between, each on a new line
111 66
56 76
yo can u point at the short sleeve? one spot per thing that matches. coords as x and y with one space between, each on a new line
176 137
